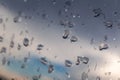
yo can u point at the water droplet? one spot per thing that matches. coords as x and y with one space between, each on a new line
4 61
105 38
53 2
108 24
17 19
1 39
39 47
92 41
12 44
38 69
83 59
74 39
19 47
1 20
68 63
44 16
70 24
23 66
26 42
66 34
97 12
78 61
97 78
8 63
3 50
25 0
84 76
68 75
25 59
44 61
35 78
103 46
50 69
68 3
63 23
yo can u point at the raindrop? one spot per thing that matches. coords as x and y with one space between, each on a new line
63 23
68 75
26 42
68 3
66 34
17 19
32 40
50 69
84 76
78 61
1 20
53 2
1 39
25 59
66 10
105 38
85 60
4 61
44 61
19 47
3 50
97 12
108 24
8 63
25 0
35 78
103 46
12 44
23 66
92 41
70 24
68 63
38 69
74 39
44 16
39 47
97 78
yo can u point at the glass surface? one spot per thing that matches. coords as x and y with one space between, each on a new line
59 40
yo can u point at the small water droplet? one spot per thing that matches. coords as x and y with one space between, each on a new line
84 76
19 47
4 61
83 59
66 34
50 69
97 12
40 47
1 39
12 44
17 19
3 50
68 63
1 20
97 78
23 66
103 46
26 42
108 24
68 75
44 61
74 39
